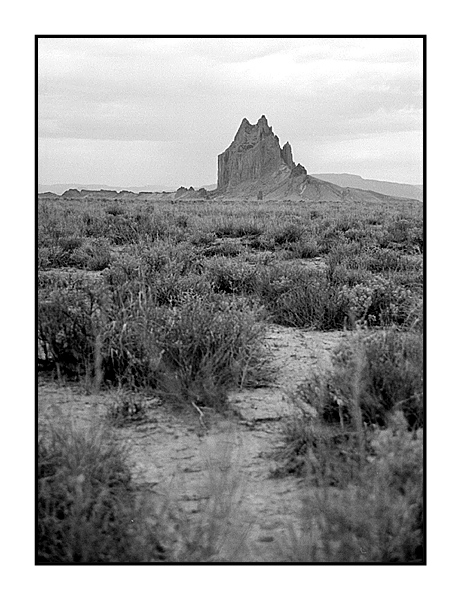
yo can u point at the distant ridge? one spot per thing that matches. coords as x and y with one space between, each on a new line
60 188
102 194
389 188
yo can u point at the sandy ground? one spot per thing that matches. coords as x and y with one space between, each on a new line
223 469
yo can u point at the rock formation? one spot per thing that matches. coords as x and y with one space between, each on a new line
72 193
254 166
190 193
288 156
254 153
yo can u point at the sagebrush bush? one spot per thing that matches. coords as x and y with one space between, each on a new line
66 331
95 225
237 228
326 454
372 377
357 233
288 234
382 371
209 345
232 276
381 260
378 301
94 256
305 249
300 298
87 508
358 441
202 238
70 244
115 210
199 345
348 255
378 517
226 248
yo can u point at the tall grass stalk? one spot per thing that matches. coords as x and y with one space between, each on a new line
357 379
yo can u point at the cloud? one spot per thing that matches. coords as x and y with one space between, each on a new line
196 91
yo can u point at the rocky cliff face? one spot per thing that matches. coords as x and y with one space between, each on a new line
254 153
288 156
254 166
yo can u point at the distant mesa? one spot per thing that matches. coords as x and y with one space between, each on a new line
104 194
76 189
72 193
48 196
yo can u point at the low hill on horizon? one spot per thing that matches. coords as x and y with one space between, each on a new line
60 188
388 188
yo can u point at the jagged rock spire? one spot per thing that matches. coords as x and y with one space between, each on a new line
288 156
254 153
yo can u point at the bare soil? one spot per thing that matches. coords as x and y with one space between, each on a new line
221 464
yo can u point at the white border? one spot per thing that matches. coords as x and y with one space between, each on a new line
21 23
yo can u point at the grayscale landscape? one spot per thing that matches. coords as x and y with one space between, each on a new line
230 371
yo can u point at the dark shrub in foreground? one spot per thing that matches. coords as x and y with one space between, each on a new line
358 440
381 372
209 344
378 517
384 371
302 298
66 334
195 348
87 510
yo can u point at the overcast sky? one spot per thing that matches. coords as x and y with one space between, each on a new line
133 112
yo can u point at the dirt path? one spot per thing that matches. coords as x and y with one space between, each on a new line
226 467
